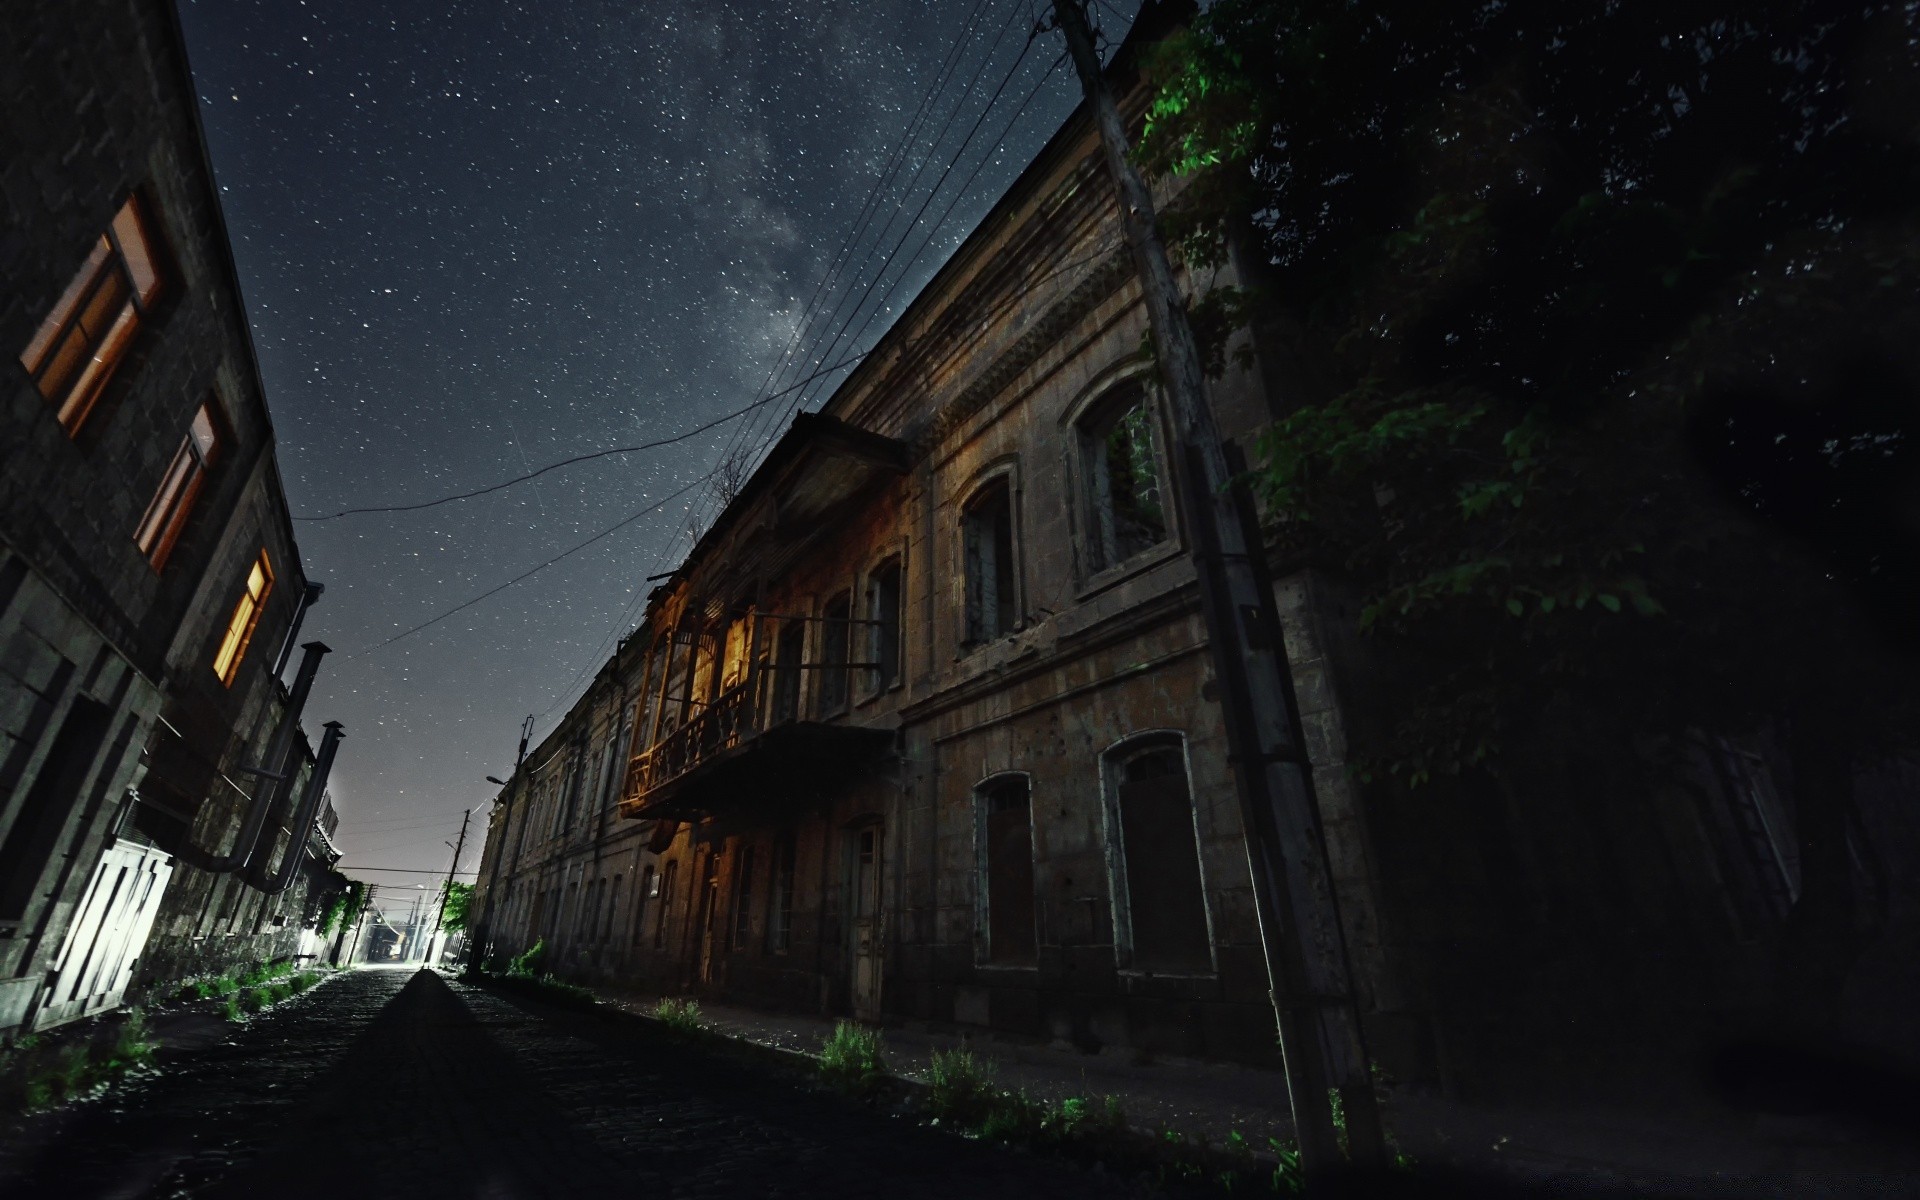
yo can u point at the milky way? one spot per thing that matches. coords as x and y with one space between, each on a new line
479 238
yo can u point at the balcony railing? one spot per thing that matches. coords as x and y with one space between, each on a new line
772 695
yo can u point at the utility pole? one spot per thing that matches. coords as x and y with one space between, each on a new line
446 892
359 926
1314 1004
480 932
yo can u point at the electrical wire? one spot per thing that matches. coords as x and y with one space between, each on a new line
580 458
611 529
932 194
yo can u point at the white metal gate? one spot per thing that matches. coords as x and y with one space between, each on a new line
108 933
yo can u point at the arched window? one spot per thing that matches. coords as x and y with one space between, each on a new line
1126 511
1003 825
1160 908
989 548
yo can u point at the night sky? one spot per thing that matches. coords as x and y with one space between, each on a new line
478 238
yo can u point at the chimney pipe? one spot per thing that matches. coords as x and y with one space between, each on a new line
273 883
275 779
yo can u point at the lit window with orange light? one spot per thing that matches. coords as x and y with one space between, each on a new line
246 614
167 515
74 352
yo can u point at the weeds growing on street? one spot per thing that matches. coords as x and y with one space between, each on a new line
680 1016
851 1060
36 1073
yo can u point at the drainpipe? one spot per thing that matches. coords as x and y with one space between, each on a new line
308 599
275 779
273 883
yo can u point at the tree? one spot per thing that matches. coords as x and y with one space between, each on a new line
1605 384
453 906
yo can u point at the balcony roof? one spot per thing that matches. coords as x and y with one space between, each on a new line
774 768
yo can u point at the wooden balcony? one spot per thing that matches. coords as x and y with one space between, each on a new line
748 747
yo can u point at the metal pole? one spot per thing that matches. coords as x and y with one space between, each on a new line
1318 1019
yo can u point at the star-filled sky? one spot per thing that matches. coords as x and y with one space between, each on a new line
477 238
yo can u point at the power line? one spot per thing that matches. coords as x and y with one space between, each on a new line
746 433
623 523
751 430
580 458
932 193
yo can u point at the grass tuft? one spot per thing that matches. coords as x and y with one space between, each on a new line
680 1016
851 1059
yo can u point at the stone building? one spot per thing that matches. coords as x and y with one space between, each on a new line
925 728
924 725
149 579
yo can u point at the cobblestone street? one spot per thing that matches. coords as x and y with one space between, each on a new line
394 1083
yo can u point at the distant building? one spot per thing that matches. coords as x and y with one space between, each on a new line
149 578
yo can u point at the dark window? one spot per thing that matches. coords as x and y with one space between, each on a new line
780 899
883 636
666 903
787 671
1126 513
1164 899
78 345
989 549
613 906
743 898
641 895
1009 870
834 644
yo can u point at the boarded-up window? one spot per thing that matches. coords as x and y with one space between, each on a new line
1007 842
743 897
1125 513
883 635
834 645
1166 907
780 901
989 549
788 672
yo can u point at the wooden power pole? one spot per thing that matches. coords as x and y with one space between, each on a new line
1320 1036
446 892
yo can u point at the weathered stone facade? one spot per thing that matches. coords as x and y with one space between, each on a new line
825 838
133 514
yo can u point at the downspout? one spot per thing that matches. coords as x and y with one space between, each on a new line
308 599
276 882
277 779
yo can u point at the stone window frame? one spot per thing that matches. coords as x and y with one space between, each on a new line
982 910
1113 847
1091 575
1004 471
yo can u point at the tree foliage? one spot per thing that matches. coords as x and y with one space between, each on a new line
454 906
1583 291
